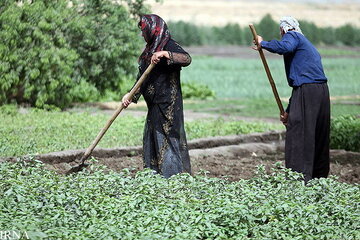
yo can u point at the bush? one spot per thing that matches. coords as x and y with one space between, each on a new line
107 43
345 133
99 204
192 90
36 60
54 54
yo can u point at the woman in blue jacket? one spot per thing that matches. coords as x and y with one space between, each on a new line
307 117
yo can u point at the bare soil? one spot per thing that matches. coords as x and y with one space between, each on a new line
230 157
233 167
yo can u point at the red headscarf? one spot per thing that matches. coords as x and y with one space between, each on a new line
156 35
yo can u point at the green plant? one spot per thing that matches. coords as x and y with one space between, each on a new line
98 203
246 78
38 131
56 53
36 61
220 127
192 90
345 133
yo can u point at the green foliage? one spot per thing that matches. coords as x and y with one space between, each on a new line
348 35
189 34
246 78
191 90
53 53
328 36
345 133
36 61
220 127
268 28
35 131
232 34
103 204
107 43
312 32
40 131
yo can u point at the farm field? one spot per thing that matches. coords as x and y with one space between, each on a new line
233 188
242 93
67 57
98 204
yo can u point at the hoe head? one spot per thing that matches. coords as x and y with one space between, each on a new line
79 167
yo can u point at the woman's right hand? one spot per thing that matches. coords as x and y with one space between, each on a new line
126 100
284 118
257 43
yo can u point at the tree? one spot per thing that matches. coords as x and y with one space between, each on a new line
348 35
268 28
56 52
36 61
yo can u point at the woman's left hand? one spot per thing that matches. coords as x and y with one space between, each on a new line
156 57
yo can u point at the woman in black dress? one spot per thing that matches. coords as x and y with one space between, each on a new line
164 143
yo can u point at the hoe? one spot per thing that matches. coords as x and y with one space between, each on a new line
90 149
268 73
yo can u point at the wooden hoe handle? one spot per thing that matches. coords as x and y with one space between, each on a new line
267 70
116 113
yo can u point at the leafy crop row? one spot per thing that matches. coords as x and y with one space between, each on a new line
39 131
98 204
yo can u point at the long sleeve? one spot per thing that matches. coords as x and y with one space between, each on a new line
288 44
178 56
182 59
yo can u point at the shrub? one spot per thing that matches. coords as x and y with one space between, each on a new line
36 61
192 90
345 133
107 43
52 53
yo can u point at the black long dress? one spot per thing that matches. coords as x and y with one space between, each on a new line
164 143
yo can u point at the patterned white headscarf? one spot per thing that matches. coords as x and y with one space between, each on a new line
289 23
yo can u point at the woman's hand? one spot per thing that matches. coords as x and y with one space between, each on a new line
284 118
156 57
125 100
257 43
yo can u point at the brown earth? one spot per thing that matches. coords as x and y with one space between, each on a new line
231 157
233 166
